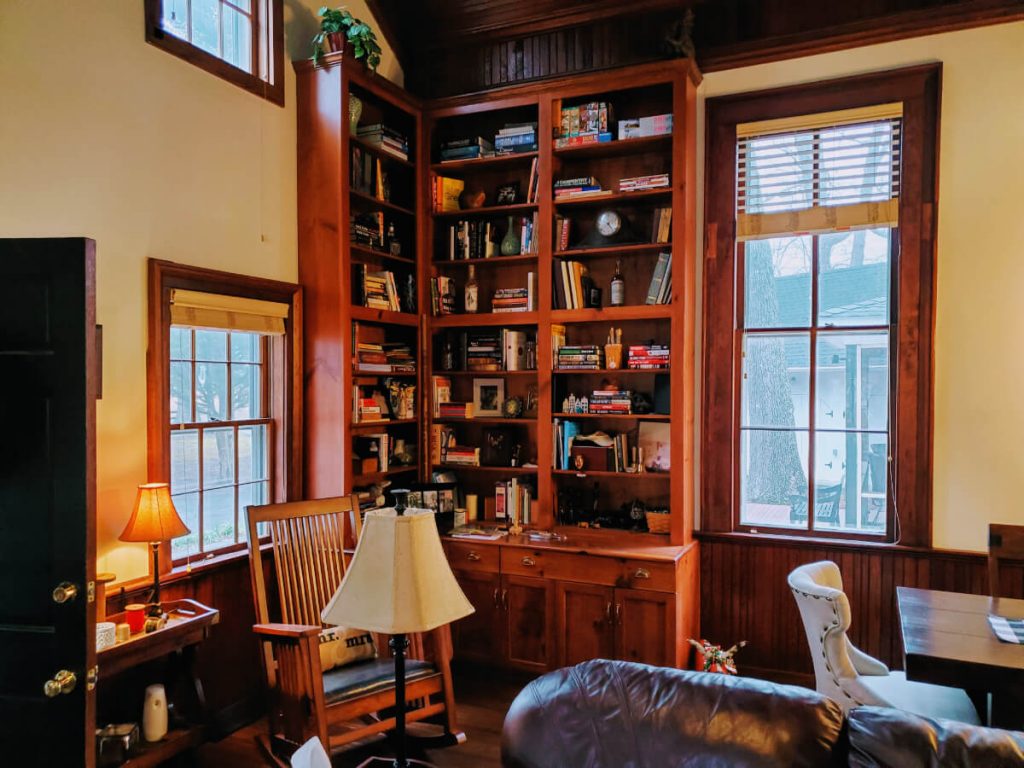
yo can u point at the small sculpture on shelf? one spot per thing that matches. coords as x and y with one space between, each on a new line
715 659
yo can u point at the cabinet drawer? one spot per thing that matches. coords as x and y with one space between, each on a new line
644 574
464 556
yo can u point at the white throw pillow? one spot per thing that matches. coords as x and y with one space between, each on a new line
340 646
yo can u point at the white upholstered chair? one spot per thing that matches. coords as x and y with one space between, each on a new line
845 673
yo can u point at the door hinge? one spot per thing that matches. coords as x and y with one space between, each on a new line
90 592
91 677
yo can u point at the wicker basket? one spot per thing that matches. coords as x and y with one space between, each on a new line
659 522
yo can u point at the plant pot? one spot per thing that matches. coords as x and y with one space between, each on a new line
335 42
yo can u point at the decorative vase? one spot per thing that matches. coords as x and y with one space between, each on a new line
510 243
154 713
355 111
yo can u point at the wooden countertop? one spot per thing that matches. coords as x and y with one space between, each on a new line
601 542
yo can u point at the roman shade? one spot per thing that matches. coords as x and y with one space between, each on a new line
818 173
231 313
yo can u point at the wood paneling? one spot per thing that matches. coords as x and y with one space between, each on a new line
744 595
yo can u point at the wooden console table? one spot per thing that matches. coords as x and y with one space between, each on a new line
188 624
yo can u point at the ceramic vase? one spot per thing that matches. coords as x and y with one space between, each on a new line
510 243
154 713
355 111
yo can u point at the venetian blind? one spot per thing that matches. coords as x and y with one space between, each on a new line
819 173
231 313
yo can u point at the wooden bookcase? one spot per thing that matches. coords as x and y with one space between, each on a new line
637 591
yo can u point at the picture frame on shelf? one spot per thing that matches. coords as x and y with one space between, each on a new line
654 439
507 194
488 395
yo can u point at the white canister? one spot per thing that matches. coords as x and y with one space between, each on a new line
154 713
105 635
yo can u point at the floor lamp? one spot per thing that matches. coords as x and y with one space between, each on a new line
399 582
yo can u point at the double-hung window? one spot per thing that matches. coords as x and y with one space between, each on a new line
817 304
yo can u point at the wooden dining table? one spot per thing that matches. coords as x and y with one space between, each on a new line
947 640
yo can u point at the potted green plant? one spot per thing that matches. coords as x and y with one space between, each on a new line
339 27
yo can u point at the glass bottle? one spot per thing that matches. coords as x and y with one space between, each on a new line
448 357
471 296
618 291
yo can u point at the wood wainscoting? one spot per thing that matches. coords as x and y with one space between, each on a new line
744 595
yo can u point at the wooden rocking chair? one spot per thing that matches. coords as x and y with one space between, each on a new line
308 543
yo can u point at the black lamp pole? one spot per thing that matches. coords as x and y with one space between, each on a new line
399 643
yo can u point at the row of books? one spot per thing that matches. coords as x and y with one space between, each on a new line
374 452
379 289
479 239
385 139
466 148
513 138
454 409
384 357
513 501
585 123
614 401
648 356
579 357
660 289
445 192
367 173
661 225
367 229
572 284
444 448
611 452
640 183
505 349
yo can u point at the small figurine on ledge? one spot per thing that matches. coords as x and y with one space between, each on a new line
715 659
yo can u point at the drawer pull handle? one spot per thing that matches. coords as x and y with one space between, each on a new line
497 595
528 561
608 613
642 573
473 557
618 613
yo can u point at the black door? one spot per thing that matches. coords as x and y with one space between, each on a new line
48 378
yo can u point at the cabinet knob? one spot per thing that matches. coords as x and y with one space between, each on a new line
642 573
529 562
64 591
473 557
63 682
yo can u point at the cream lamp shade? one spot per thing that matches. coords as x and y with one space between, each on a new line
154 517
399 581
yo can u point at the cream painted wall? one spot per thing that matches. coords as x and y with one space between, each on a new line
104 135
979 355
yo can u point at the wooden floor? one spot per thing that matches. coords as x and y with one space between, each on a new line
483 698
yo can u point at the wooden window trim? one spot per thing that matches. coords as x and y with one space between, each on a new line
267 51
285 365
919 89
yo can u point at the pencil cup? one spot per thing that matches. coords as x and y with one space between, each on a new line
613 355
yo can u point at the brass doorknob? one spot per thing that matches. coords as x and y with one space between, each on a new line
63 682
64 591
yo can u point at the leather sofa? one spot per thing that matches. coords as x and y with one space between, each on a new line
617 714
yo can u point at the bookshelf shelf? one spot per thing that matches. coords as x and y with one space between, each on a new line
615 147
382 154
376 426
661 476
488 319
477 163
373 477
364 253
371 315
373 202
494 261
607 371
488 469
487 210
614 416
615 198
401 374
611 250
612 314
481 420
483 374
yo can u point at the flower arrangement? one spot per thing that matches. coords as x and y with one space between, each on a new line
715 659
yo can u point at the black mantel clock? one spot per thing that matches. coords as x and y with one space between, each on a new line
611 227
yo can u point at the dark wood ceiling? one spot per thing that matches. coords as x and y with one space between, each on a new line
446 45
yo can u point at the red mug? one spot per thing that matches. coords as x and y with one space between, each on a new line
135 615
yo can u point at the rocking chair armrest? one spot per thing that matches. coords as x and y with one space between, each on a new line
288 631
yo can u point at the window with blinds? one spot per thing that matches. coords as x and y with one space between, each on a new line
812 174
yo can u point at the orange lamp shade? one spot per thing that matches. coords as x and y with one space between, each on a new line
154 517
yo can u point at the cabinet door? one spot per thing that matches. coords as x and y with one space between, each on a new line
479 636
645 627
528 605
584 619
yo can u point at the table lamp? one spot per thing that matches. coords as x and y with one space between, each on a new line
399 582
154 519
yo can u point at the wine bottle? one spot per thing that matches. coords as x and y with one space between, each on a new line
472 291
618 288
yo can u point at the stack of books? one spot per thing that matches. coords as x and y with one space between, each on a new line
639 183
516 137
454 410
512 501
462 455
367 409
648 356
371 358
444 193
379 289
385 139
580 357
368 229
581 186
660 289
585 124
653 125
442 295
572 284
661 226
613 401
516 299
471 240
466 149
399 357
484 351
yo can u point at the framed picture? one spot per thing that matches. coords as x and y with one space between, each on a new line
654 439
507 194
488 395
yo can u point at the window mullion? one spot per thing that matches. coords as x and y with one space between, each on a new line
200 481
812 379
